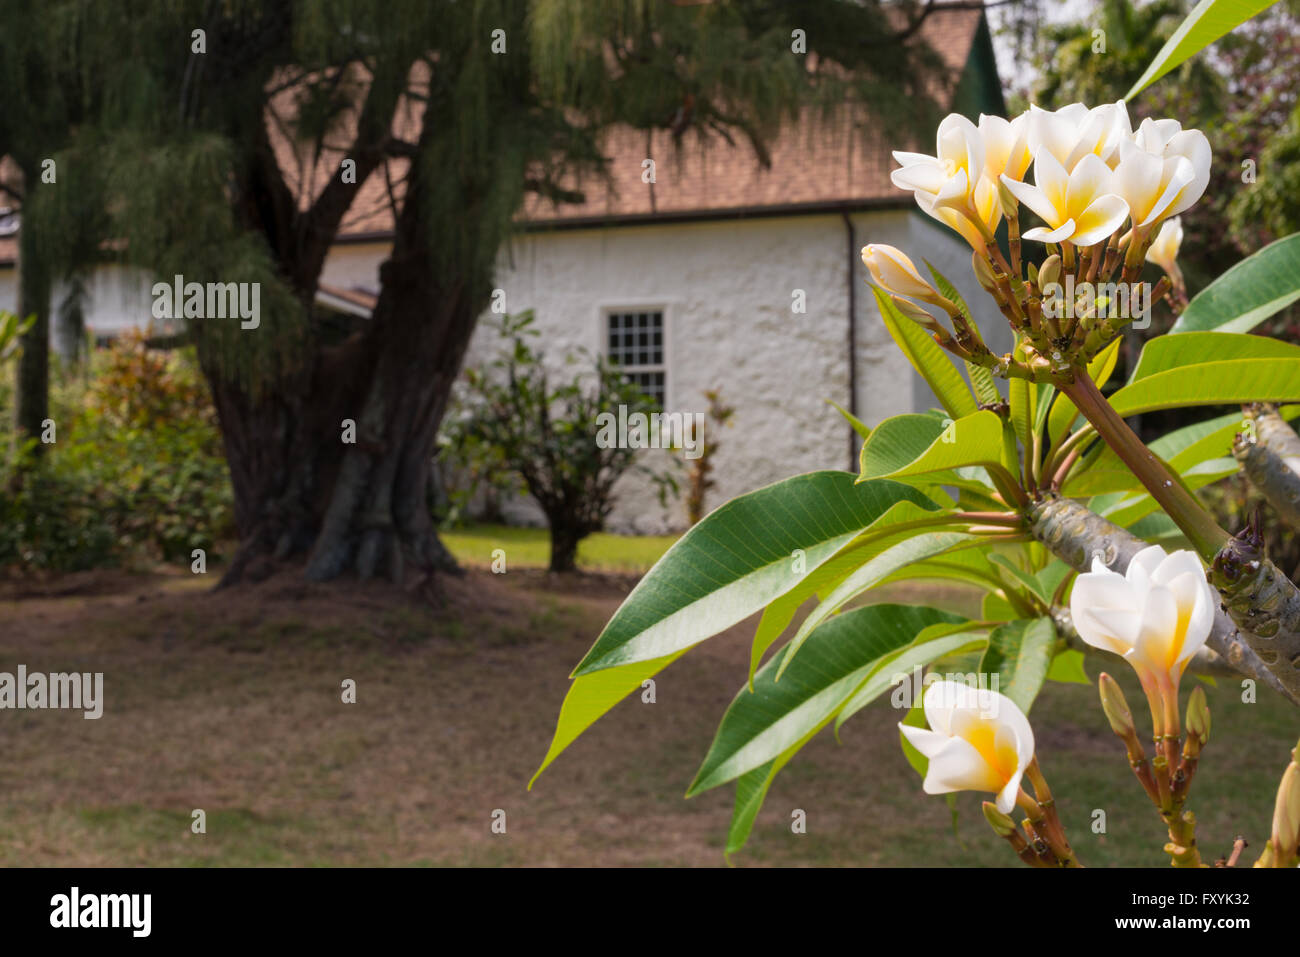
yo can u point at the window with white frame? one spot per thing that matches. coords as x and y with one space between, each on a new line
635 344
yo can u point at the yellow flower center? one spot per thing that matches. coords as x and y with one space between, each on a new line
1178 638
1003 759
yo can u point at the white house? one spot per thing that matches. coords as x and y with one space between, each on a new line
716 275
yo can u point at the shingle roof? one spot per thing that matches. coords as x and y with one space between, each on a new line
816 163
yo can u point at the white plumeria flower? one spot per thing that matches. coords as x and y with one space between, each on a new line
1163 250
894 272
979 740
1150 183
952 186
948 177
975 225
1073 132
1167 139
1081 206
1006 146
1156 615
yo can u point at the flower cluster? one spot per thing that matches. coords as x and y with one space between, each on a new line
1107 196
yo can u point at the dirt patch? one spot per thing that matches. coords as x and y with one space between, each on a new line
1063 737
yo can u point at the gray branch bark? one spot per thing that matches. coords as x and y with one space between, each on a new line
1264 460
1074 534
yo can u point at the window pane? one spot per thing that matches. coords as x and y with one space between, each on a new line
637 339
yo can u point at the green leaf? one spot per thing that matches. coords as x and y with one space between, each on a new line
859 426
1193 348
1128 509
761 725
751 791
995 607
1182 450
1157 528
901 665
1067 668
1043 404
983 384
1050 577
1026 581
1212 383
1024 395
949 292
914 444
927 358
739 558
591 696
752 786
1254 289
1208 21
879 535
912 548
967 565
707 582
1019 653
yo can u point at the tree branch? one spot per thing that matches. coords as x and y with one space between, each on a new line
1075 534
1271 460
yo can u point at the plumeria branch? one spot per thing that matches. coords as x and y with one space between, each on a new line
1270 458
1257 596
1075 534
1165 782
1164 485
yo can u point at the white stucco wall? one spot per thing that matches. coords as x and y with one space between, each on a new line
726 288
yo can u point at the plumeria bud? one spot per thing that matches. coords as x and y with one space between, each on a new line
1198 716
1116 707
894 272
978 740
983 271
914 312
1002 825
1007 198
1049 272
1163 250
1156 615
1266 856
1286 817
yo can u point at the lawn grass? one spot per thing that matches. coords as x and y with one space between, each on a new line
229 702
473 545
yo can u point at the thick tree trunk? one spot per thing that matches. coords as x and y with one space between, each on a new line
564 547
357 507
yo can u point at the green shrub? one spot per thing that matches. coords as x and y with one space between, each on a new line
137 471
54 519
